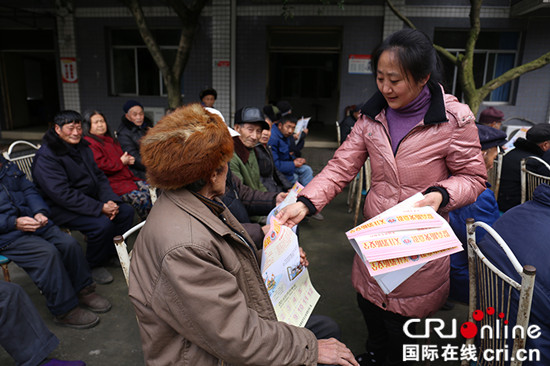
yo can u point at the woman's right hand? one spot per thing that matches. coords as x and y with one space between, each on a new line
292 214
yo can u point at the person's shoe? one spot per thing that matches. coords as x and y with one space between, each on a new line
318 217
56 362
77 318
101 276
91 300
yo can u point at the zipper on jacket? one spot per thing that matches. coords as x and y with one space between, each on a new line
253 248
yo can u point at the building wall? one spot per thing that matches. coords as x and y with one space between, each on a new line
533 97
359 36
361 22
94 64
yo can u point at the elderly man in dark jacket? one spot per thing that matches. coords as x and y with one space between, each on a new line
79 193
244 202
133 126
535 143
52 259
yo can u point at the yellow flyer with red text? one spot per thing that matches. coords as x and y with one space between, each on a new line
287 281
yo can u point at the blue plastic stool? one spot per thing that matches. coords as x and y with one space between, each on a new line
4 264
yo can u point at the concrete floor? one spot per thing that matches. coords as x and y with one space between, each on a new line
116 341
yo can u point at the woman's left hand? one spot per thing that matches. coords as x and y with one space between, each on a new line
303 258
433 199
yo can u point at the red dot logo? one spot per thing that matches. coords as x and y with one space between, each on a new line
490 310
501 315
468 330
477 315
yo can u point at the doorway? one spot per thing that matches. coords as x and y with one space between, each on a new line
304 69
29 90
29 80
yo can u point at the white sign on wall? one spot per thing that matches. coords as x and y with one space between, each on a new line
359 64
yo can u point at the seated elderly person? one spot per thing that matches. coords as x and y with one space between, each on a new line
52 259
78 193
535 143
195 280
115 163
24 335
133 126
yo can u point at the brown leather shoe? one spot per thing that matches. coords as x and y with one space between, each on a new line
77 318
91 300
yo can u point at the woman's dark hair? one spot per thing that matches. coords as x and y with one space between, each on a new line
87 123
415 53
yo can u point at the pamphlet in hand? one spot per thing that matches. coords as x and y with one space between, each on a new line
290 198
396 243
287 281
300 126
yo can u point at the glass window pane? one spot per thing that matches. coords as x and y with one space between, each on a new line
124 71
503 63
148 73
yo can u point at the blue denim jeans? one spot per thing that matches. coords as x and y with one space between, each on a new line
303 174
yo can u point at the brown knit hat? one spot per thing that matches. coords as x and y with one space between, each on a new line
185 146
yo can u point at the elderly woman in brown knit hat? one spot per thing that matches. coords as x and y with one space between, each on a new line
195 280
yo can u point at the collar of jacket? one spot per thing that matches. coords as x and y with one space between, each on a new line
436 113
542 194
528 146
220 224
58 146
242 151
132 126
275 130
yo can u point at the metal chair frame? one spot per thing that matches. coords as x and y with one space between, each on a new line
490 287
493 175
531 180
122 249
338 134
24 161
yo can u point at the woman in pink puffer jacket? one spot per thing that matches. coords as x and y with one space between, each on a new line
418 140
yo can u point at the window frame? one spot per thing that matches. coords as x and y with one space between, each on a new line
487 53
112 84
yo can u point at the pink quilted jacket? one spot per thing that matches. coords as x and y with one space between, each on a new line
442 150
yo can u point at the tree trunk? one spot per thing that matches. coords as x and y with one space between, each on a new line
189 18
474 96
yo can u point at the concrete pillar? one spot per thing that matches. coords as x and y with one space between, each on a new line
67 49
221 56
391 22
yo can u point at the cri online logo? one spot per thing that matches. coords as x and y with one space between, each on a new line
470 330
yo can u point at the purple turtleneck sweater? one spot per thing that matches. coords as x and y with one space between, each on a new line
402 120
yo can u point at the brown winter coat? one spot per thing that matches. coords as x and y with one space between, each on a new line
443 150
199 294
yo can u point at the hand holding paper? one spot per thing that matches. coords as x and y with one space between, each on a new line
396 243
